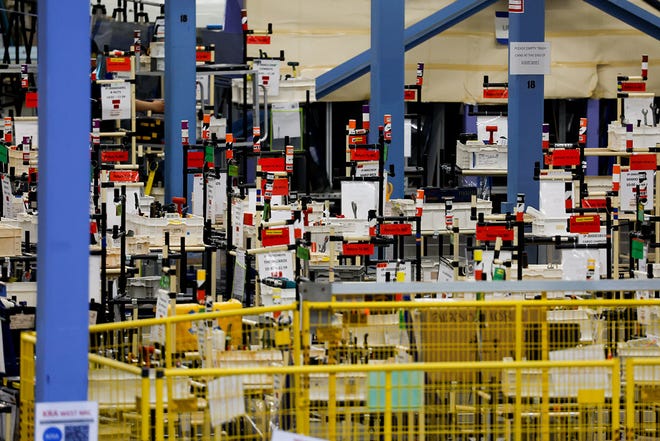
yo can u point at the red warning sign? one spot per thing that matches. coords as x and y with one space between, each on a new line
271 237
396 229
492 232
364 154
358 249
584 224
643 162
258 39
118 64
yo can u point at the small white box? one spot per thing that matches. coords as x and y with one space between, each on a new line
476 155
191 227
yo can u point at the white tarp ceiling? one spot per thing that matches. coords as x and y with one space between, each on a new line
589 48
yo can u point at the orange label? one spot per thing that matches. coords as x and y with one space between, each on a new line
495 94
643 162
203 56
124 176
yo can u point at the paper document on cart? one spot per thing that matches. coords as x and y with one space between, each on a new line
116 101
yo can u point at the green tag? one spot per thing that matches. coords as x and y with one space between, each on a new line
637 248
208 154
640 212
165 282
233 170
302 253
499 273
4 153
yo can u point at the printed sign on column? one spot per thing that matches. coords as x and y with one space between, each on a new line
66 421
529 58
116 101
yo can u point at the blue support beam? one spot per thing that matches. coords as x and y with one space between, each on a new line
593 134
179 90
630 14
413 36
525 110
63 259
387 81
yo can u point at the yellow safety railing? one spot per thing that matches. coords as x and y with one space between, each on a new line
396 401
642 395
514 370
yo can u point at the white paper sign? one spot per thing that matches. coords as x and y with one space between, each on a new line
407 137
27 128
382 269
279 264
162 303
269 75
366 169
7 198
116 101
529 58
66 421
502 26
357 198
502 124
632 111
629 181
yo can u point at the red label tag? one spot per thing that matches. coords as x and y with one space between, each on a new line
203 56
258 39
629 86
492 232
357 139
272 164
31 99
495 94
358 249
275 236
124 176
396 229
643 162
565 158
280 187
410 95
114 156
248 219
364 154
118 64
594 203
584 224
517 6
195 159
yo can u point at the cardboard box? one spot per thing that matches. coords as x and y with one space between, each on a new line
10 241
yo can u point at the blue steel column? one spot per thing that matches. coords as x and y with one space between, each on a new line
387 81
593 134
179 89
63 259
525 109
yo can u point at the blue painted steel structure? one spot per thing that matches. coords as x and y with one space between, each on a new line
525 109
631 14
416 34
387 81
179 89
593 134
64 126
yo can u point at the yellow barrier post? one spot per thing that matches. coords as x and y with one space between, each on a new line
630 399
28 342
303 390
387 427
616 397
145 406
170 349
160 408
297 361
517 420
545 375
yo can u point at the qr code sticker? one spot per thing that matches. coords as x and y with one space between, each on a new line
76 433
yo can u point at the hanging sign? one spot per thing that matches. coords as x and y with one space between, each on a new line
529 58
116 101
492 232
516 6
396 229
584 224
358 249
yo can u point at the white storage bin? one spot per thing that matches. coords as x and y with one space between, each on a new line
479 156
433 215
642 136
191 227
